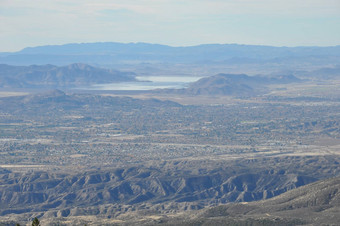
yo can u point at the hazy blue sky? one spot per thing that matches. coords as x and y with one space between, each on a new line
174 22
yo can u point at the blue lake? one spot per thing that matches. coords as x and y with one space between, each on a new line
149 83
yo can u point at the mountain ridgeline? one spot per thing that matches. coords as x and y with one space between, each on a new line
118 53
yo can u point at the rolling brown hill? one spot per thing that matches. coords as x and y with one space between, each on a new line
233 85
50 76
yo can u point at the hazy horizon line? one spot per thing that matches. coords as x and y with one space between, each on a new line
169 45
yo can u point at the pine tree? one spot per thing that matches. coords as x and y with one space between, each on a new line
35 222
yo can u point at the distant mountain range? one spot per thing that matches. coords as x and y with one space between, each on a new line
50 76
131 53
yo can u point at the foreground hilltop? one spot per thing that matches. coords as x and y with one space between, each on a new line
313 204
175 193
